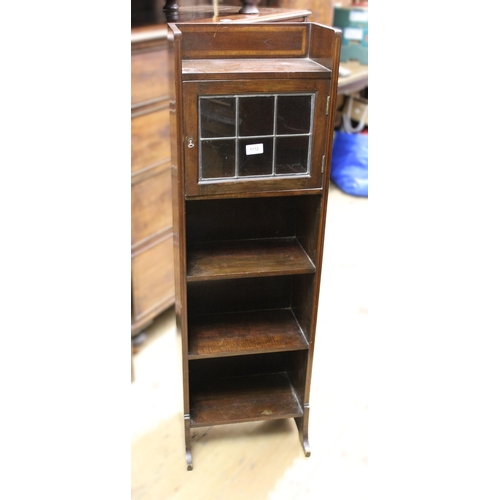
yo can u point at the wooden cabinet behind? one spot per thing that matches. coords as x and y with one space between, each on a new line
151 198
321 10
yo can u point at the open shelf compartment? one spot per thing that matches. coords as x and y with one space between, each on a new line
246 258
249 316
245 399
235 238
245 388
245 333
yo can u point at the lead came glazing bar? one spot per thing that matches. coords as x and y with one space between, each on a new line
230 143
236 148
274 133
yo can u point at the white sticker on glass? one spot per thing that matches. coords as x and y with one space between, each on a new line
254 149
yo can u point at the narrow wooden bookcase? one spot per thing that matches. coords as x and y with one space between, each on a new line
252 128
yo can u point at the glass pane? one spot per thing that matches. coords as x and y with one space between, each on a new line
218 117
294 114
255 156
291 154
217 159
256 115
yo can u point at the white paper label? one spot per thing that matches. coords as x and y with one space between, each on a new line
360 16
254 149
353 33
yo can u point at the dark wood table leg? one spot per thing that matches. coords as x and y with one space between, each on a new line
171 5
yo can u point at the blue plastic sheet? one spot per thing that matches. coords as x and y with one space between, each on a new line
349 170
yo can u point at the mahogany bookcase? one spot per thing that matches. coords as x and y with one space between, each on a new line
252 127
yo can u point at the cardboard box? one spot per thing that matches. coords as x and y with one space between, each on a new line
353 21
358 107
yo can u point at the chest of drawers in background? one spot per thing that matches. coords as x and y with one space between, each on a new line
151 192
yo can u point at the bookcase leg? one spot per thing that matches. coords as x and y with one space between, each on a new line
187 430
303 427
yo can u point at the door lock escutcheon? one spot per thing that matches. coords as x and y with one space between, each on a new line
190 143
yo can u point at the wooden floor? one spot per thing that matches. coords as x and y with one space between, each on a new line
265 460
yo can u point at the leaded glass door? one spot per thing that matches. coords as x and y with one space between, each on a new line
269 138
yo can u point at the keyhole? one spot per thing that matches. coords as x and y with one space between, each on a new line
190 143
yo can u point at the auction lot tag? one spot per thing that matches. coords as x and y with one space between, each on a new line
254 149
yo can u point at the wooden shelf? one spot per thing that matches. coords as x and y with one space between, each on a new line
269 68
216 335
247 258
244 399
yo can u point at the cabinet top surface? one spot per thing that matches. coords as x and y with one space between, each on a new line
279 48
193 69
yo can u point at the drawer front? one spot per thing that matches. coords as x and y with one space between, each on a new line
150 138
149 76
151 206
152 277
254 136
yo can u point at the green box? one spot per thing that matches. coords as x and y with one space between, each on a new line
353 21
